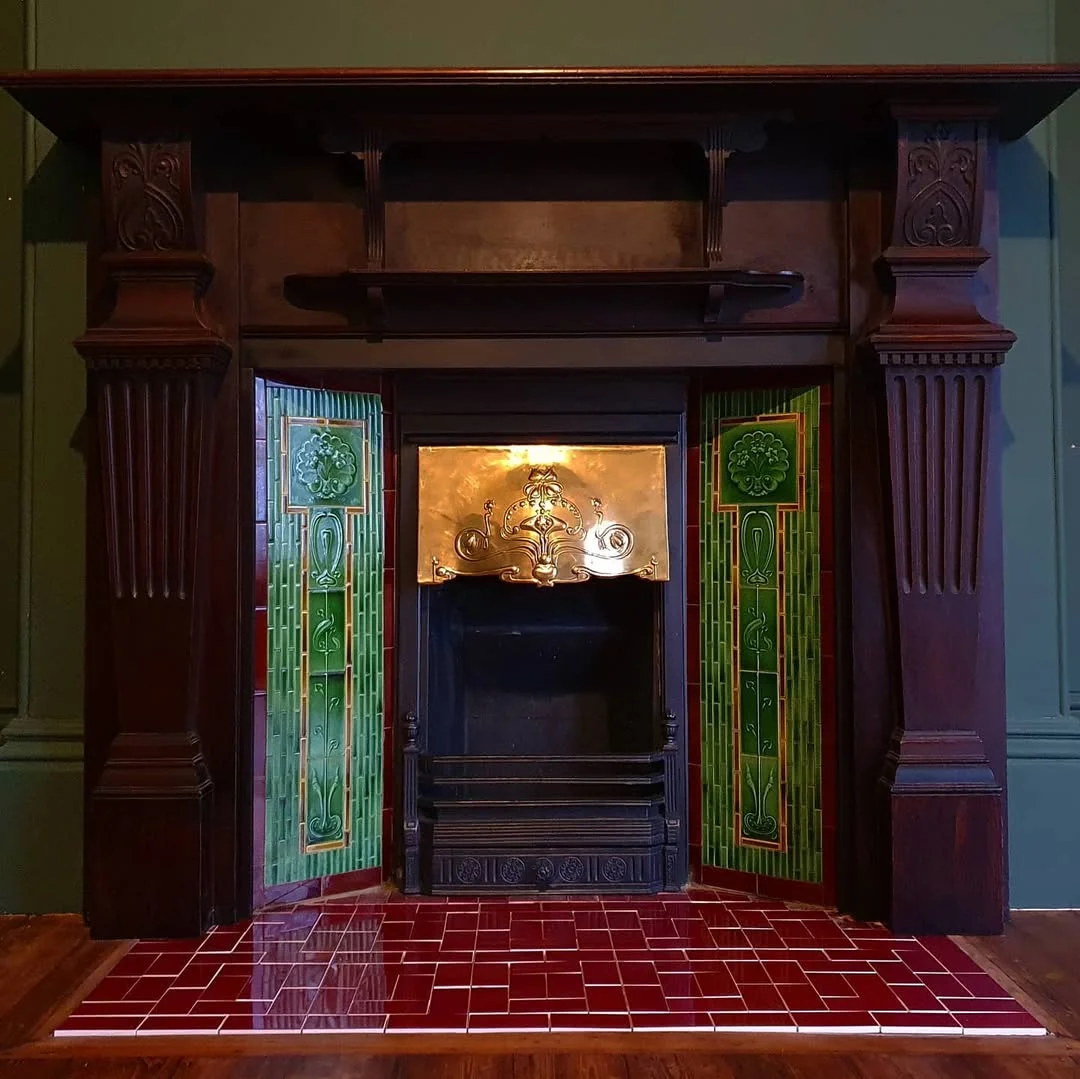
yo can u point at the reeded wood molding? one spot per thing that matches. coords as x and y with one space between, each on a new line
151 430
716 156
371 157
938 445
153 366
374 207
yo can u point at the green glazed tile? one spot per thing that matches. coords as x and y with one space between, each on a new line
333 480
756 484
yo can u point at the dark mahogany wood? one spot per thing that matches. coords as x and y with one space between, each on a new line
945 770
154 367
343 225
448 102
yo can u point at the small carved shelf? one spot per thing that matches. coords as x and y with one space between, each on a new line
363 289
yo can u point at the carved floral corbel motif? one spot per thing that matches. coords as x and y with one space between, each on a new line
149 197
942 166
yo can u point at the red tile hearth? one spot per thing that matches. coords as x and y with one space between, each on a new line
703 960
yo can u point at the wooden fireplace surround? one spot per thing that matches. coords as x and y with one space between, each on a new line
828 224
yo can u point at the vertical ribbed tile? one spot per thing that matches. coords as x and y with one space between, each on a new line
325 647
799 855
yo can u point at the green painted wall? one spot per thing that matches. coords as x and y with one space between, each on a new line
11 185
1044 767
1068 231
40 555
508 33
39 762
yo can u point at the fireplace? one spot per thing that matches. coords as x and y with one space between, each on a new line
776 666
544 764
545 634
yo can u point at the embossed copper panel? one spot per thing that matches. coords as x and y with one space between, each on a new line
542 515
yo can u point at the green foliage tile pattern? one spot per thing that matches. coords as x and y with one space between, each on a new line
324 731
760 579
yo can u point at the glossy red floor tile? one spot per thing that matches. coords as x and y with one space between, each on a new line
701 960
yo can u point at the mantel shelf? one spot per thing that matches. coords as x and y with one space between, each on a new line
683 276
289 103
351 290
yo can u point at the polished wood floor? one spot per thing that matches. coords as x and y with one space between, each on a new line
47 963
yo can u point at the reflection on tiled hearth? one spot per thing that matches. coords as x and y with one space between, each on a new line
698 961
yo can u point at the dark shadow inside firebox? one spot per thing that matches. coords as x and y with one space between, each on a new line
516 670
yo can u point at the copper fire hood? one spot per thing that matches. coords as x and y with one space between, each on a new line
542 515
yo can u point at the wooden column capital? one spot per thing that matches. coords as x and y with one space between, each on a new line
153 368
943 778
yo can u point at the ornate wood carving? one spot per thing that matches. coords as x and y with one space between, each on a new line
940 359
718 143
716 156
148 204
942 201
374 207
370 156
153 367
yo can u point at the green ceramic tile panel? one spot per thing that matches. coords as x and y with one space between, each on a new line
324 747
760 463
757 463
326 630
326 759
326 548
328 465
760 579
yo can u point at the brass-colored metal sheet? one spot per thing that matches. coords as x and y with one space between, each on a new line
542 515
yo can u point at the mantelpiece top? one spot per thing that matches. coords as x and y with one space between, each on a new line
78 105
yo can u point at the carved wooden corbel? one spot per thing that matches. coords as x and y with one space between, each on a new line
370 157
939 355
716 156
153 366
719 143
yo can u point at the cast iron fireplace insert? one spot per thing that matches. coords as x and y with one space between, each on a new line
544 747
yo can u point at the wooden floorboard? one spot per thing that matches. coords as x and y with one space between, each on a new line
1039 955
655 1063
47 964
